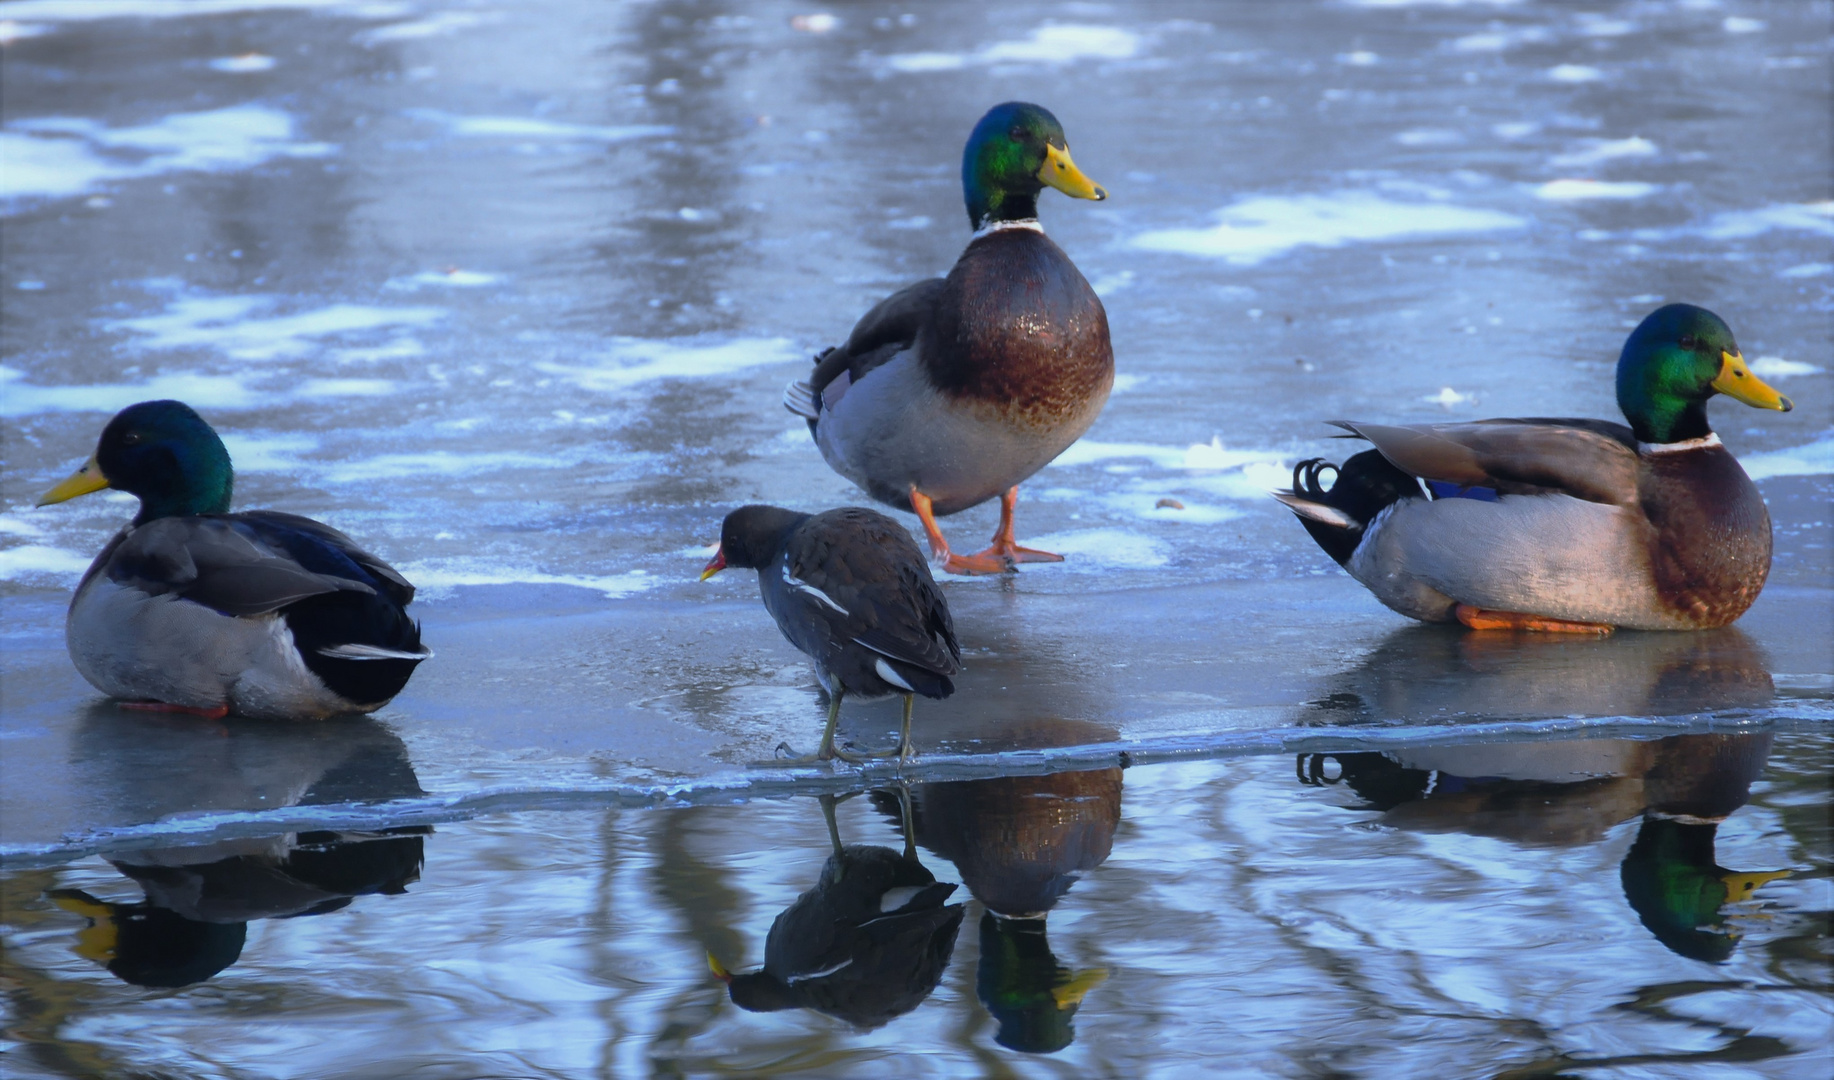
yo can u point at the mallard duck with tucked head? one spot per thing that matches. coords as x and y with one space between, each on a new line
191 608
956 389
1563 524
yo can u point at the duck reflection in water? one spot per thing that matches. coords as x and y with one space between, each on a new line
866 945
198 901
1019 843
1572 792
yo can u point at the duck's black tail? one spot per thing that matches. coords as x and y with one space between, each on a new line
1365 485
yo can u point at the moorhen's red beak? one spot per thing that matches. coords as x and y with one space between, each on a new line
714 565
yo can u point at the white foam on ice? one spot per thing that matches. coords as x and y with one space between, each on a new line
441 463
529 127
19 398
445 22
435 579
1776 367
91 10
634 361
1092 549
1739 24
40 561
1815 217
57 156
1582 190
243 64
268 451
1808 270
1598 151
230 325
1262 226
1814 459
1500 40
1055 45
1574 73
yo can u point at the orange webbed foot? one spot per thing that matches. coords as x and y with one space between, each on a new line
1481 619
985 562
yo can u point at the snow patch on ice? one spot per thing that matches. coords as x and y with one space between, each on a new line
268 452
42 560
1815 217
229 325
200 391
1091 549
90 10
634 361
435 579
1597 151
528 127
1815 459
446 22
1054 45
1808 270
441 463
1776 367
1574 73
244 64
1580 190
1262 226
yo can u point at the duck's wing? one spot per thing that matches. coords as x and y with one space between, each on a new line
1594 460
870 584
246 564
888 329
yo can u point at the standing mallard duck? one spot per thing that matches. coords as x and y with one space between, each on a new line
191 608
1561 524
957 389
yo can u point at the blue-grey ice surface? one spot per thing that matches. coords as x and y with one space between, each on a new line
509 292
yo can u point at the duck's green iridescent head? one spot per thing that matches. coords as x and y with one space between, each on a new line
163 452
1675 360
1015 152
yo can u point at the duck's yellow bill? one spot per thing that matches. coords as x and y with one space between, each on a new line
1072 992
718 969
714 565
81 482
1060 172
1738 383
1741 886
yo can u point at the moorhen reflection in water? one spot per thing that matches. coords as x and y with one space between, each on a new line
1571 792
198 901
867 944
1019 843
1429 674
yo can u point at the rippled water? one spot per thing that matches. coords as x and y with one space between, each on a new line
510 291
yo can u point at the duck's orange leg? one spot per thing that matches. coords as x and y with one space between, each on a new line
939 548
215 713
1481 619
1004 546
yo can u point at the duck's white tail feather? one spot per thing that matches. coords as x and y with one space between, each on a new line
372 652
1319 512
799 398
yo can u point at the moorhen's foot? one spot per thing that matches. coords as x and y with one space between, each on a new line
217 712
1482 619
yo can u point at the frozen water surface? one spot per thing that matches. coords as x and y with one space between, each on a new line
510 293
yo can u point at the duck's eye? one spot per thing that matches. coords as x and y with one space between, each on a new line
1689 343
132 438
1017 133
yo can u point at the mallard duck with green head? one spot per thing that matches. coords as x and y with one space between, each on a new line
954 390
1563 524
191 608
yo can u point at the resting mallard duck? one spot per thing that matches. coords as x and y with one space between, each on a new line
1559 524
850 589
957 389
191 608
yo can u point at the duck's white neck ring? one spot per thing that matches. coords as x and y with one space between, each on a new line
1710 439
1002 226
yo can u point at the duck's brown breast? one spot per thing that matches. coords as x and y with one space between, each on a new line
1710 543
1018 330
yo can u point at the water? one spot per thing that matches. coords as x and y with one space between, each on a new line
510 293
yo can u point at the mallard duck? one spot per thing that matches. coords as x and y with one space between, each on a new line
956 389
1563 524
191 608
850 589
